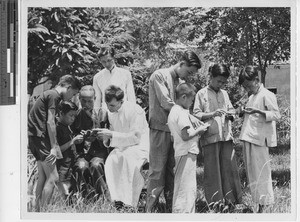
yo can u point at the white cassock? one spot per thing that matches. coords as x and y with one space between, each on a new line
130 139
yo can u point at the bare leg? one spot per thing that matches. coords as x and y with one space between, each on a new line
40 185
52 178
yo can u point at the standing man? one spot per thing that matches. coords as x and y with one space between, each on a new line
162 84
111 75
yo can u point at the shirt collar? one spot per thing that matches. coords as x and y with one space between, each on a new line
259 89
60 96
209 87
173 73
112 69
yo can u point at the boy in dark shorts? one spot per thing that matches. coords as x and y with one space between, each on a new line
66 141
42 135
89 167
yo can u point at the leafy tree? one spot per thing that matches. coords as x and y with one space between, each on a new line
66 40
240 36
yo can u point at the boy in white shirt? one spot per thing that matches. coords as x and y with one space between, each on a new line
186 149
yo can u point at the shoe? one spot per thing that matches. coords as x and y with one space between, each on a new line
119 205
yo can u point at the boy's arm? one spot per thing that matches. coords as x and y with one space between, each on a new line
188 133
51 128
198 110
76 140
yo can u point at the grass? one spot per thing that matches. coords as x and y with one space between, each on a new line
280 163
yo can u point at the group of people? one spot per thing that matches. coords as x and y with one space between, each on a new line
104 141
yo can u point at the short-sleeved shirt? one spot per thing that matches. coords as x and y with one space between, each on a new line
178 119
207 100
64 135
38 115
85 122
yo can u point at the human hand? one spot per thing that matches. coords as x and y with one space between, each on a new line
202 129
78 139
195 121
51 158
252 110
218 112
104 134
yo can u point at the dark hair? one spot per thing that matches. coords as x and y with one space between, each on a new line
249 73
219 70
66 106
113 91
184 89
69 80
105 51
191 59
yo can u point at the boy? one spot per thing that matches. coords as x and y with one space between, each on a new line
66 141
42 135
212 105
258 134
186 149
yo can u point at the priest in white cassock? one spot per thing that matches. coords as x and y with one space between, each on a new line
129 137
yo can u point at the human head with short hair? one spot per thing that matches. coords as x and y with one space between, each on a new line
87 97
185 94
249 79
67 112
188 65
219 74
106 57
114 97
71 85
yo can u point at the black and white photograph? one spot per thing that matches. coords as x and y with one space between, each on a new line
149 111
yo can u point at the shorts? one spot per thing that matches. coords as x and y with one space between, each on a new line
36 144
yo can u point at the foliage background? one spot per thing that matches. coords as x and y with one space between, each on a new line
66 41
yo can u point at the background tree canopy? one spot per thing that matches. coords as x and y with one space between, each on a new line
66 40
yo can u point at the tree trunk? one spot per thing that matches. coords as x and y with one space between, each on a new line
263 75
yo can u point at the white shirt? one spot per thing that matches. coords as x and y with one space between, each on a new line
256 128
117 76
129 126
178 119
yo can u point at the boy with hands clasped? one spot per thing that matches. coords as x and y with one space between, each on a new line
186 149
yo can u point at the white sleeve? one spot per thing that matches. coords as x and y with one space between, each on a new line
133 137
130 89
98 93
